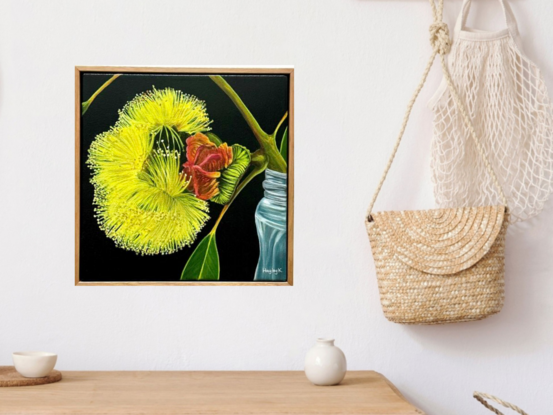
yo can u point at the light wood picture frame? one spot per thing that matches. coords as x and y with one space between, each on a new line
186 171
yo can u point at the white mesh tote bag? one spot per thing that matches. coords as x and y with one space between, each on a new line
510 109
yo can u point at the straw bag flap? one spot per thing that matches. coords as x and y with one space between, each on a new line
439 241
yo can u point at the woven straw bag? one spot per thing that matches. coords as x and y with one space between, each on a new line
482 397
442 265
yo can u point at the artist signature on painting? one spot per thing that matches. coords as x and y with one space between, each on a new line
272 271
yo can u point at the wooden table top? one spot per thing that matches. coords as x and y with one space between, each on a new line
213 393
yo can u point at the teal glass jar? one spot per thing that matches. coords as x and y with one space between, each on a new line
271 223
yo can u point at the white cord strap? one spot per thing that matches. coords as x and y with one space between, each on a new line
481 397
441 45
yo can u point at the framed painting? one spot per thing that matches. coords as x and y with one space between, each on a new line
184 176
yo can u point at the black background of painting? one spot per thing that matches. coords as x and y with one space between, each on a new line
265 95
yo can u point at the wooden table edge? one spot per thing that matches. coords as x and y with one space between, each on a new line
71 376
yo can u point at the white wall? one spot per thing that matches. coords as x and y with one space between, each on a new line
357 62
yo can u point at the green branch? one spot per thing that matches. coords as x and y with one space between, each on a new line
86 104
280 123
260 135
267 141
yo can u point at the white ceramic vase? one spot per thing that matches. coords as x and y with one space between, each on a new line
325 364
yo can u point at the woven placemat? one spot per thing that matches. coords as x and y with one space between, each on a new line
10 377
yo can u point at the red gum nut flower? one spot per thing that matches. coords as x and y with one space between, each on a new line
204 164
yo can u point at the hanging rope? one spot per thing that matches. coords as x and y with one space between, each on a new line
441 45
481 397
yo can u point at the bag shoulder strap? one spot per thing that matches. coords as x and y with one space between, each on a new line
441 45
481 397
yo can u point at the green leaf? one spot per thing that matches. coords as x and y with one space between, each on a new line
284 145
214 138
230 177
203 264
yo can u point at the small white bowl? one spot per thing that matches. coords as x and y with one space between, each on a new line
34 364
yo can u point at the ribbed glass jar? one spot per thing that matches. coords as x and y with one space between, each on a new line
271 223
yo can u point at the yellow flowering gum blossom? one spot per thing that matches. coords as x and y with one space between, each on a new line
140 193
